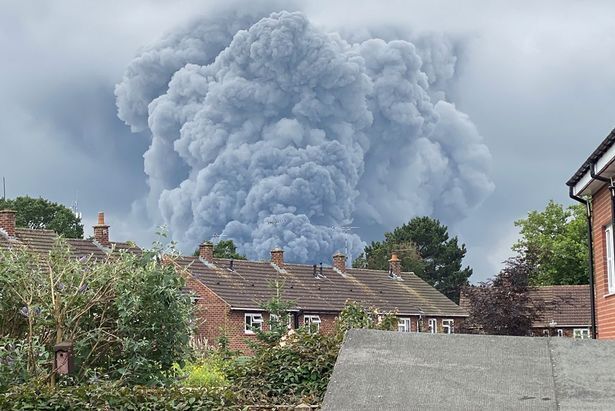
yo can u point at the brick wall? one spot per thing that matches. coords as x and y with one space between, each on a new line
605 305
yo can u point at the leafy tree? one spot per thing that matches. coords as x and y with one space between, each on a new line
424 247
225 249
502 306
40 213
556 239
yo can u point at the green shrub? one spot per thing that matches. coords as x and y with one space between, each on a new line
113 397
204 373
14 363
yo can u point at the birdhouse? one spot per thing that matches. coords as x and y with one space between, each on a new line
63 357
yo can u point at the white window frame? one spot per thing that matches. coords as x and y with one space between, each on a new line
448 326
252 321
581 334
560 332
272 318
404 325
433 325
610 266
310 321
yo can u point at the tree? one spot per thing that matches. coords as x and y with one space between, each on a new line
40 213
424 247
556 239
225 249
502 306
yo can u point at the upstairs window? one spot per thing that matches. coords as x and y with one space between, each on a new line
448 326
560 332
253 322
433 325
312 322
610 267
274 319
404 325
581 333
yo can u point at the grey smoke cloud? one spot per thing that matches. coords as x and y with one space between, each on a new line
274 132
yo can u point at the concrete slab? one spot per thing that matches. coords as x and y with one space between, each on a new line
379 370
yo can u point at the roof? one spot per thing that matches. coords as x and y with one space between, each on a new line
567 305
250 283
42 241
397 371
602 148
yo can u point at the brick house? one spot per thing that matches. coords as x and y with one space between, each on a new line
229 293
593 184
42 241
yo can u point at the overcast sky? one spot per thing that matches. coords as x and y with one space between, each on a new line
536 80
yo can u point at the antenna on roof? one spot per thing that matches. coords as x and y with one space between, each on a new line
346 229
216 236
75 207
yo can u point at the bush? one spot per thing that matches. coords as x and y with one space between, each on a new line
113 397
14 361
203 373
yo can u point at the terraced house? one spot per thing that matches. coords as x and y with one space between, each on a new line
593 184
229 294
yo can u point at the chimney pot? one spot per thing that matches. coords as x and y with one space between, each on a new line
395 265
206 251
7 222
339 262
277 257
101 231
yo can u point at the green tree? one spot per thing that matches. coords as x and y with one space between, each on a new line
40 213
425 248
556 239
225 249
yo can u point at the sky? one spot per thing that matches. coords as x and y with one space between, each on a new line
536 81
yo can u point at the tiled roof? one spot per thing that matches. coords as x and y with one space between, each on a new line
249 284
567 305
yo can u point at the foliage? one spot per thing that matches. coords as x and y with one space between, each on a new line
206 372
354 315
279 316
556 239
126 314
424 247
109 396
502 306
225 249
40 213
14 361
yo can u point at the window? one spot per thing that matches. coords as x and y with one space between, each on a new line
404 325
610 267
312 322
448 326
581 333
253 322
273 318
433 325
560 332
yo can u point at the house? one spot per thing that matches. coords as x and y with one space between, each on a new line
378 370
562 310
593 185
229 295
42 241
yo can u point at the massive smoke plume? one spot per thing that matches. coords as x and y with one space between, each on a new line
272 132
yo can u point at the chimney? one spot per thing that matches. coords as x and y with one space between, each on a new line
7 222
395 266
101 231
277 257
206 251
339 262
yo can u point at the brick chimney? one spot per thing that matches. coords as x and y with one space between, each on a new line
7 222
395 265
206 251
339 262
101 231
277 257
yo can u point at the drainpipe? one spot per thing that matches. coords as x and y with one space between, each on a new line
592 297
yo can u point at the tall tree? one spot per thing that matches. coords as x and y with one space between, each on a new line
502 306
556 238
225 249
40 213
424 247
